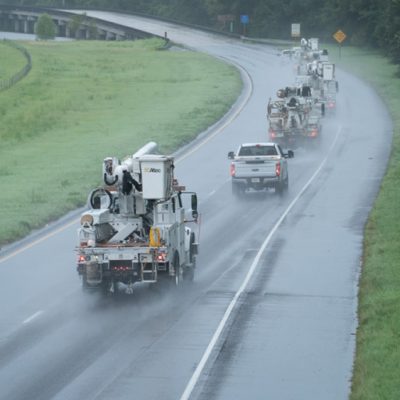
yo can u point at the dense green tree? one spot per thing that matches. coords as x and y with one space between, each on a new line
45 27
366 22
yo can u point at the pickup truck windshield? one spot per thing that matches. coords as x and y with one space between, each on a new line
257 150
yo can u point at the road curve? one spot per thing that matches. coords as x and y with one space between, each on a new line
272 313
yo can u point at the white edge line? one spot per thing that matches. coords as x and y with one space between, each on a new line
32 317
199 369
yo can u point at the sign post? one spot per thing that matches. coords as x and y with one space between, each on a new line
244 19
339 36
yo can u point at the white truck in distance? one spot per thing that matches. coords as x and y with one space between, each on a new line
259 166
137 227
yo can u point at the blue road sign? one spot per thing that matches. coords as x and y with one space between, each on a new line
244 19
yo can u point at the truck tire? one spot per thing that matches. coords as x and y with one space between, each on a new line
279 188
189 273
237 189
192 255
109 288
178 278
286 184
85 287
282 187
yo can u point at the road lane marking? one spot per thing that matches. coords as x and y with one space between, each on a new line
32 317
200 366
35 242
211 194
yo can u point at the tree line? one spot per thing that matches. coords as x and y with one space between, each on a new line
373 23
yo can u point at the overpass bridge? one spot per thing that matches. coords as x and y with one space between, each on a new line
22 19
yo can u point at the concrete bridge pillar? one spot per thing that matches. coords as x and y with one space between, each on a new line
110 35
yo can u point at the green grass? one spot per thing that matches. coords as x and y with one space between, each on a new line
377 362
11 61
84 101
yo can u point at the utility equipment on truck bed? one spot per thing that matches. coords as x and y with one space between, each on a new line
137 227
288 116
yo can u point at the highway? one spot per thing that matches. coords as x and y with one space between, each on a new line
272 311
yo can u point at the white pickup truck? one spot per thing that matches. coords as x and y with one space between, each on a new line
259 166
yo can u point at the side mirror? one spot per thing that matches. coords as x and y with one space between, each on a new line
231 155
195 213
290 154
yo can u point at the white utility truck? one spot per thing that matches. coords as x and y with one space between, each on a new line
137 227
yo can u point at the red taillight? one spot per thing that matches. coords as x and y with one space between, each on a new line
233 170
331 105
278 169
161 257
272 134
314 133
81 259
123 268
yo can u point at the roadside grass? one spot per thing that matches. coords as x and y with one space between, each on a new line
84 101
11 61
377 361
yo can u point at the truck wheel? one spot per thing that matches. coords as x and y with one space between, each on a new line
189 273
109 288
192 258
282 187
286 184
85 287
178 278
237 190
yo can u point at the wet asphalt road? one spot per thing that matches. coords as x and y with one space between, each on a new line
290 332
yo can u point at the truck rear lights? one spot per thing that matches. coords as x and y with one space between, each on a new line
278 169
272 134
314 133
331 104
81 259
121 268
121 265
233 170
161 257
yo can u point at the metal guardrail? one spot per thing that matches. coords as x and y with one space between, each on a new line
7 83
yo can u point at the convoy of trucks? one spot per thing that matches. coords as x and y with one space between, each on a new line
140 224
294 117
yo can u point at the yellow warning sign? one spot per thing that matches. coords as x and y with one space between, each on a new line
339 36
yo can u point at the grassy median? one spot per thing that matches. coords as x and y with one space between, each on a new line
377 366
84 101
